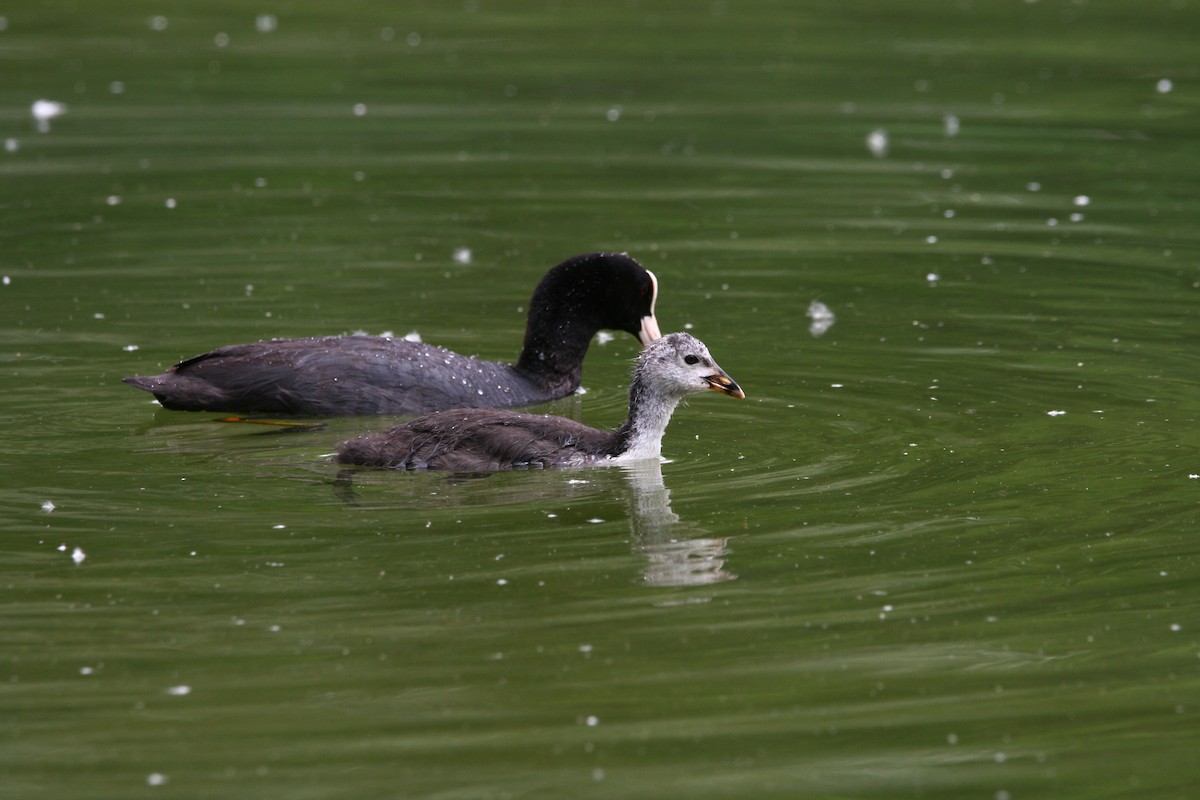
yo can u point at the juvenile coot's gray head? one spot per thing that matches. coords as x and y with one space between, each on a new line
341 375
473 440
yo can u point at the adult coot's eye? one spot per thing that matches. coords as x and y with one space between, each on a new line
690 359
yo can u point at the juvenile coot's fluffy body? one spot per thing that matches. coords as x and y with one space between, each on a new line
343 375
472 440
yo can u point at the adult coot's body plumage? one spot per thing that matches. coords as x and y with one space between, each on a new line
342 375
473 440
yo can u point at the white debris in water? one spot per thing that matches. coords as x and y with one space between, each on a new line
931 239
360 109
156 779
45 110
279 527
6 280
113 200
822 317
11 145
78 556
1033 186
117 87
1164 86
48 506
221 39
87 670
1192 476
170 202
157 23
412 336
1082 200
951 124
266 23
592 721
877 142
462 255
613 114
595 520
502 581
1055 413
182 690
604 337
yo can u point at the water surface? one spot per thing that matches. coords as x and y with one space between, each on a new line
944 549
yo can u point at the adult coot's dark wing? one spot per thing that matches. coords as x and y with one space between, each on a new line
474 440
337 375
366 375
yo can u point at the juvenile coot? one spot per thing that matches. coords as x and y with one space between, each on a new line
343 375
475 440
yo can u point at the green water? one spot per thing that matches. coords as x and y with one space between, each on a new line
898 569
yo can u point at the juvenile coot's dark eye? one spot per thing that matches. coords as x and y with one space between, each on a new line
690 359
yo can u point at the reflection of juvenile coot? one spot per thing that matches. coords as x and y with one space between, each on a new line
472 440
336 375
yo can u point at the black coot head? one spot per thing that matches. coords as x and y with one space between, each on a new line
601 290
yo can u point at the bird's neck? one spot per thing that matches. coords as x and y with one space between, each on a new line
640 436
554 350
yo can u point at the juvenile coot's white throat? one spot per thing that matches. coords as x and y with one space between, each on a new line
345 375
475 440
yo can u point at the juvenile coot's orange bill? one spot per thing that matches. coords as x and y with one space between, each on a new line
725 385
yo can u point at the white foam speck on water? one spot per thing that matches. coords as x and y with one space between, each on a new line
279 527
78 556
113 200
951 124
1164 86
266 23
595 520
613 114
877 142
11 145
822 317
1055 413
1082 200
156 779
6 280
462 255
170 202
412 336
183 690
360 109
158 23
44 111
221 39
1033 186
604 337
932 278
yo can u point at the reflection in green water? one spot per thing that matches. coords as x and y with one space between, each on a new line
945 550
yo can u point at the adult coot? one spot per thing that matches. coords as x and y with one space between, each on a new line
342 375
474 440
